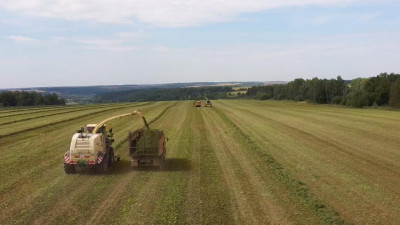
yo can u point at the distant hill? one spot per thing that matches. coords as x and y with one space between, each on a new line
268 83
165 94
86 94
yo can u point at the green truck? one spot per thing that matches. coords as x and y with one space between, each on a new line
147 147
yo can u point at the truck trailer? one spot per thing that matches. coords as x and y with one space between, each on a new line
147 147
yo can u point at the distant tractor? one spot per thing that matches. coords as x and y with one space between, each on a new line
197 104
91 148
147 147
208 102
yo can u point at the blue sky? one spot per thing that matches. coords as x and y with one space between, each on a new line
103 42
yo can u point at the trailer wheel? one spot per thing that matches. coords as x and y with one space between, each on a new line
111 157
162 159
69 168
134 164
103 166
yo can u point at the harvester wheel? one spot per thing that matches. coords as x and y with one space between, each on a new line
103 166
69 168
111 157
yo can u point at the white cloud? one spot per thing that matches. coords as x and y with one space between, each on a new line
160 49
105 44
22 39
132 35
360 17
177 13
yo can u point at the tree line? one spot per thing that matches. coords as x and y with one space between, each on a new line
165 94
26 98
381 90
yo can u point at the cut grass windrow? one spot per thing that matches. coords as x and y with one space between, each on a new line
52 114
28 109
326 214
65 120
25 111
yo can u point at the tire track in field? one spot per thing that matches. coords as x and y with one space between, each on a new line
326 214
65 120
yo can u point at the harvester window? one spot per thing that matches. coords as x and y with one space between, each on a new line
90 129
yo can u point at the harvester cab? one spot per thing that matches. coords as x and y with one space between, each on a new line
92 147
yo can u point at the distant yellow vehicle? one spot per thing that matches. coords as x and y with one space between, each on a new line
208 102
198 104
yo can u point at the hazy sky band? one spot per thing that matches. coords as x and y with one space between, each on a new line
130 42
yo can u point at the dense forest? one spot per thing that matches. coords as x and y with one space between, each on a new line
26 98
381 90
165 94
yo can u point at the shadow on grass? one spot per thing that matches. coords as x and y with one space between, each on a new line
177 164
120 167
172 164
124 166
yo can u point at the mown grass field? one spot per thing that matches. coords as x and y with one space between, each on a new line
239 162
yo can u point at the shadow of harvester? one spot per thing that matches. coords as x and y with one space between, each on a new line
124 166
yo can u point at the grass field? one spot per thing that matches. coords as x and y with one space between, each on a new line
239 162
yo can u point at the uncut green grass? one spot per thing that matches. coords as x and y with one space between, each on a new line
346 156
